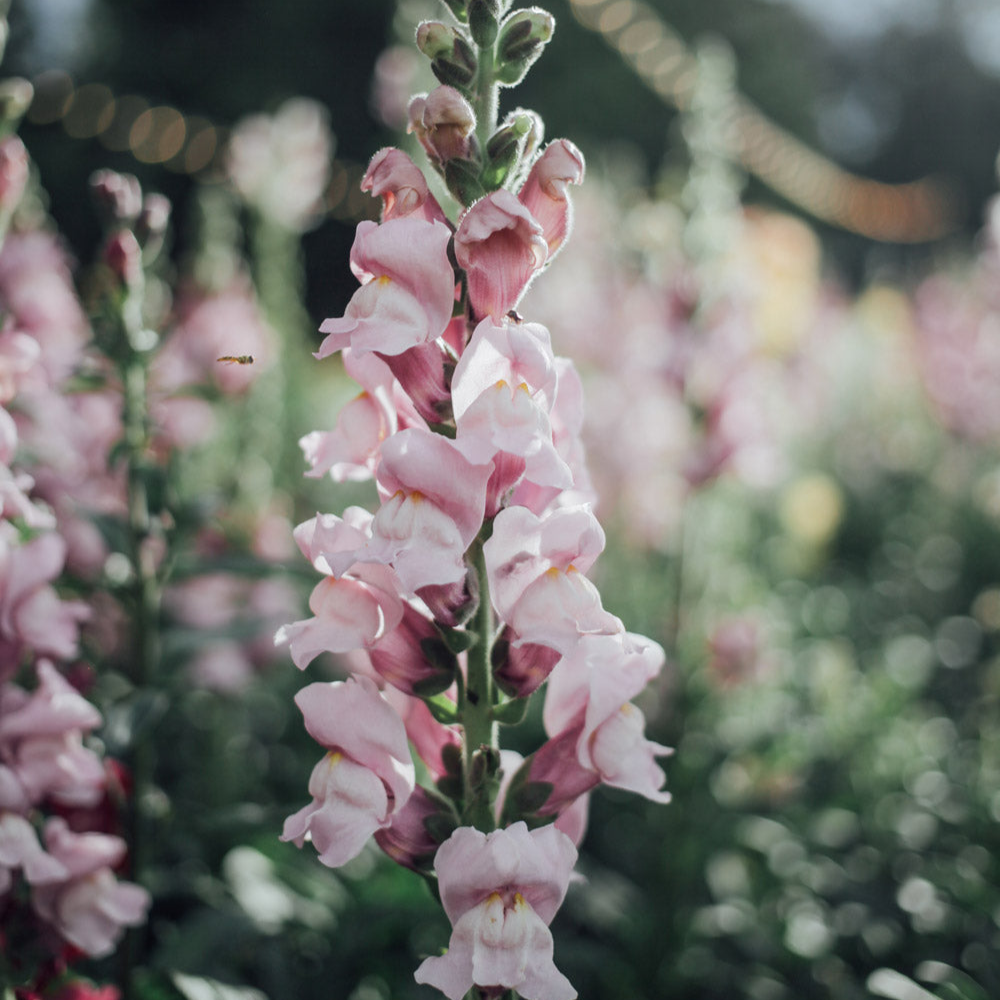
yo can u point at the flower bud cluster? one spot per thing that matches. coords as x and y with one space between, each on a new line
466 591
488 48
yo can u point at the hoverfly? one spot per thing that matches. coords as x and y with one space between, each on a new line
236 359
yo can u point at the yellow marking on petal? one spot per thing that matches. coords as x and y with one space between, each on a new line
519 900
571 569
501 384
333 758
383 279
416 496
552 571
524 388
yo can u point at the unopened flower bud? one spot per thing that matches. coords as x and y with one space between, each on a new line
13 172
118 197
453 59
505 147
484 21
445 123
15 98
522 38
123 256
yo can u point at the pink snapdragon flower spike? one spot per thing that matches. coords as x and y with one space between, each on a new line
366 777
500 892
501 247
90 908
399 182
433 508
544 192
407 288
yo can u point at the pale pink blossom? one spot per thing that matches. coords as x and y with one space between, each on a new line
536 569
501 247
500 892
19 354
433 508
36 288
429 737
399 182
596 734
91 907
19 848
502 391
407 288
31 612
544 193
355 604
366 777
349 452
566 421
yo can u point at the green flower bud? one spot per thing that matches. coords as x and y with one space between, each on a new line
522 37
484 22
453 60
505 148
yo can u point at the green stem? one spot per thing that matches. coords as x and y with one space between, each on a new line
487 96
477 708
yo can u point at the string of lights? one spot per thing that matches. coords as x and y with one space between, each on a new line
161 134
191 144
916 212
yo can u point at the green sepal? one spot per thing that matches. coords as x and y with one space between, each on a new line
511 713
462 178
459 640
440 826
443 709
484 22
445 430
451 786
530 797
436 652
451 759
436 684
